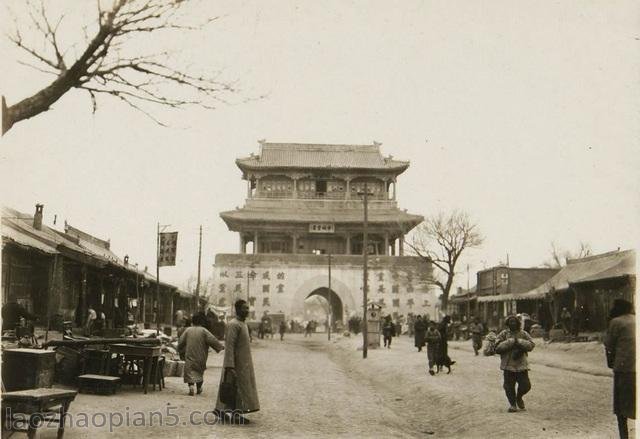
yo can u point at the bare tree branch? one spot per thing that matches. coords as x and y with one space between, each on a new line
440 240
559 257
141 81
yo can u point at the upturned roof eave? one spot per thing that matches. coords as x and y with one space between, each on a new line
398 166
407 219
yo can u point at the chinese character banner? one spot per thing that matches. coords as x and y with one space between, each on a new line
167 251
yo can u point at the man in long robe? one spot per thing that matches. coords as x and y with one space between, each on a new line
420 329
238 369
194 344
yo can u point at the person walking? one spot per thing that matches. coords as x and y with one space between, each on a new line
194 344
620 345
443 359
565 319
513 344
238 371
419 329
388 331
281 329
432 337
476 329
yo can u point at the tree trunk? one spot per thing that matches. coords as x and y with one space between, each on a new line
445 294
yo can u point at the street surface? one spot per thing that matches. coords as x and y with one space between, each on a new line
310 387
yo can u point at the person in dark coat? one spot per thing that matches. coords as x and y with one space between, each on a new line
432 337
281 329
443 354
565 319
419 329
388 331
212 319
476 329
620 345
238 369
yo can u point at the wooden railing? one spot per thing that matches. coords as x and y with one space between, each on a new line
307 195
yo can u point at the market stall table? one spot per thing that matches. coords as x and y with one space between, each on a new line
35 406
149 355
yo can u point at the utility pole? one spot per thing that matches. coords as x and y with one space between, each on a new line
198 281
468 293
156 300
329 317
365 286
137 293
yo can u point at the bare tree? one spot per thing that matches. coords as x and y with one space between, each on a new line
205 285
440 240
558 257
109 62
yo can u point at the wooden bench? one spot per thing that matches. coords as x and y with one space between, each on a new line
33 407
99 384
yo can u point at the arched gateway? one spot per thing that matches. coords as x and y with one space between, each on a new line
340 296
304 202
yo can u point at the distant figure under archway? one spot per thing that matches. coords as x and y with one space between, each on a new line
332 302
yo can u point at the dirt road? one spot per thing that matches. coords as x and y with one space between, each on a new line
309 387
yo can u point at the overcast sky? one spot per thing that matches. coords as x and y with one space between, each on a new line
523 113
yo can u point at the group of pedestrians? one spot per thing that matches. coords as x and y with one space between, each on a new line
513 345
237 392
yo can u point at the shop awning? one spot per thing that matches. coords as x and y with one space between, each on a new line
531 295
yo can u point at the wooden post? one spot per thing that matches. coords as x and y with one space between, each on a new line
386 244
84 309
50 295
198 281
156 301
330 317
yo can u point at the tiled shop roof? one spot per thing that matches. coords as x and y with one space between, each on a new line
598 267
303 155
17 227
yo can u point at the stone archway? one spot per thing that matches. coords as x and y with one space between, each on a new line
337 310
315 283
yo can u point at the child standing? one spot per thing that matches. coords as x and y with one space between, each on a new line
432 337
194 343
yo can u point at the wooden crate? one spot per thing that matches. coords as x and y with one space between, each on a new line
99 384
24 369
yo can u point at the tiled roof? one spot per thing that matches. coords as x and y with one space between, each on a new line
94 245
625 266
18 227
18 223
11 234
322 215
604 266
302 155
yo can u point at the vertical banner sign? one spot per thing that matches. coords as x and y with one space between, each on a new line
167 251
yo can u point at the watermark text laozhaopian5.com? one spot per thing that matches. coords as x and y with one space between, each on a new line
118 419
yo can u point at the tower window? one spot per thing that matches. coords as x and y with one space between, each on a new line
321 186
